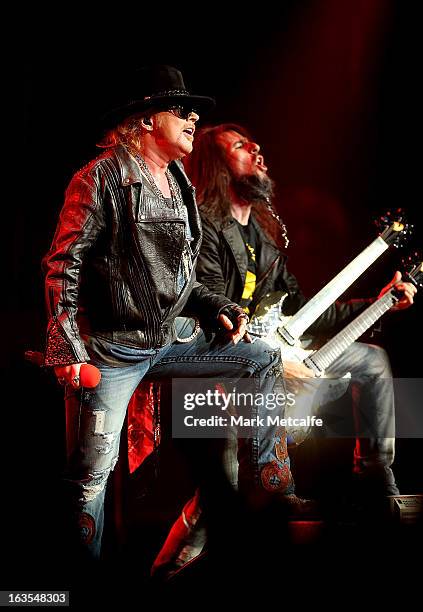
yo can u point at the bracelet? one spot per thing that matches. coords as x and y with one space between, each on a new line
195 332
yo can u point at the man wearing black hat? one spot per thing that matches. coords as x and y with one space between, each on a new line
120 271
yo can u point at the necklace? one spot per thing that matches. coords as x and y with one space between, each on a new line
178 205
175 192
279 221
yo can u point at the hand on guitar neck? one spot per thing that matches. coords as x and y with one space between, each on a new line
408 291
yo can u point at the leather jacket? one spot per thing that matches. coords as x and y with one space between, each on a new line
222 267
112 268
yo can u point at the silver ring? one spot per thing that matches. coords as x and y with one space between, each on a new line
75 379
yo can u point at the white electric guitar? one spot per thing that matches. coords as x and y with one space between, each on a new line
280 331
320 360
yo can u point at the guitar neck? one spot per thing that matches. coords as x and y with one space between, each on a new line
327 296
320 360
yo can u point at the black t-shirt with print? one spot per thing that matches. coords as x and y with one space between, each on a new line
251 241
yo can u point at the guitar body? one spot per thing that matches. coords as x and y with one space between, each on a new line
313 392
279 331
267 320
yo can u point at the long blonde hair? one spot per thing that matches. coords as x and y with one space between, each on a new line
127 133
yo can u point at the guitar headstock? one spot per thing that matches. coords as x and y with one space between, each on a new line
394 228
413 267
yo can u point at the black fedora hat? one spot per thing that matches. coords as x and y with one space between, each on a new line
153 88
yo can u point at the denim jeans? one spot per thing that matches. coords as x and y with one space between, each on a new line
372 392
372 421
95 416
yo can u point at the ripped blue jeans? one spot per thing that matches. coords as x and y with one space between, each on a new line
95 417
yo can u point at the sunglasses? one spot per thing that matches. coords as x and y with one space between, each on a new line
182 112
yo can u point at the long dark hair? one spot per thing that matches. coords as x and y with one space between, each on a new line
209 172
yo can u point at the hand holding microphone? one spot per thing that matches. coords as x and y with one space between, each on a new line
78 375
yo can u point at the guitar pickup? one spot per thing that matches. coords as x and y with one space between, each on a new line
285 335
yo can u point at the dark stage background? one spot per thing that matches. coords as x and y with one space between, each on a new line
329 89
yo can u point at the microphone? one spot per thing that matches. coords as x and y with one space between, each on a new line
89 376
